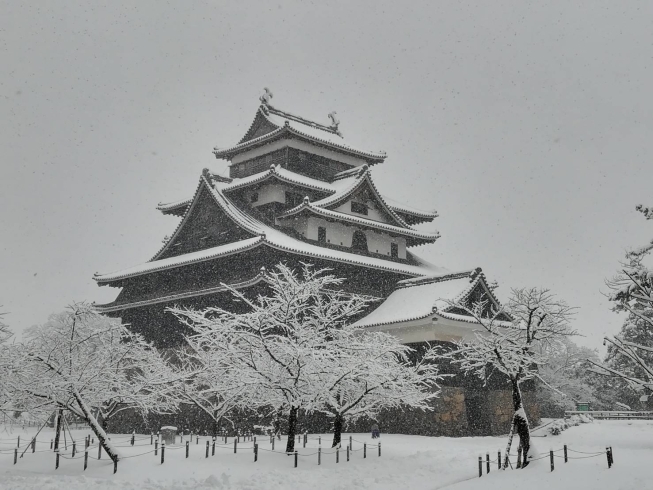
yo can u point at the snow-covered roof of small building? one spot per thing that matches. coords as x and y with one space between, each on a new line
421 297
290 124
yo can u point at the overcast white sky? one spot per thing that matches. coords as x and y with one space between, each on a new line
527 125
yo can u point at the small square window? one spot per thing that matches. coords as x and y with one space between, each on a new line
358 208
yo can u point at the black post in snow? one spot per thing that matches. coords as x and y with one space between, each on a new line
255 452
480 466
551 458
487 463
85 459
295 459
565 452
163 450
499 459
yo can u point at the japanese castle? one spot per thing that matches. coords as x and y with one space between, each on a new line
297 192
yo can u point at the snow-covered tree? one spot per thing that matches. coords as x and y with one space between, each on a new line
5 366
372 371
206 375
630 354
86 363
516 349
283 344
564 379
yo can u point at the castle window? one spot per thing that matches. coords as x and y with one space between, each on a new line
394 250
359 241
359 208
321 234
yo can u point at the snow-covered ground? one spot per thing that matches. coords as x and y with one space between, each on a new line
413 462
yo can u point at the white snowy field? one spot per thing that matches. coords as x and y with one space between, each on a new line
418 463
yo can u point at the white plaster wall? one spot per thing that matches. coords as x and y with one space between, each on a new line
300 145
269 193
372 213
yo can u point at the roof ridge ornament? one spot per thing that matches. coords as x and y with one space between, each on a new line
266 96
335 122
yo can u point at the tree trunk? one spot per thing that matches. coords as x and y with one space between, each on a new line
57 434
277 424
510 436
102 438
520 422
337 430
292 426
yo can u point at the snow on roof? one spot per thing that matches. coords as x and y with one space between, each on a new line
282 174
402 208
307 206
286 122
181 260
169 206
281 241
420 299
109 307
268 235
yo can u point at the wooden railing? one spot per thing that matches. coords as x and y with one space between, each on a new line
611 414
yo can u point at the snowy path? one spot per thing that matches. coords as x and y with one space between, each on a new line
410 462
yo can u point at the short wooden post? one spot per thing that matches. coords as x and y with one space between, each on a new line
319 440
133 437
254 440
51 443
99 450
364 450
499 459
611 456
87 441
156 447
487 463
115 466
186 449
379 449
207 449
273 443
480 466
565 452
351 447
337 455
347 453
74 444
551 458
56 467
85 459
34 444
213 448
295 459
18 441
319 455
151 438
255 452
163 451
607 454
305 438
15 455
